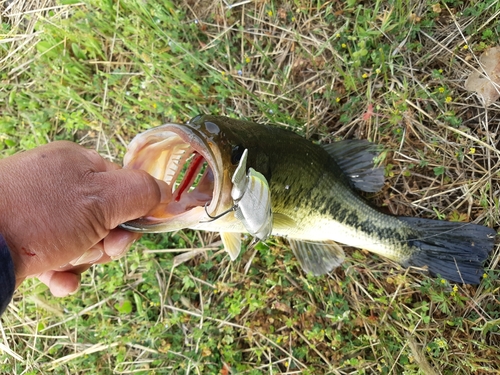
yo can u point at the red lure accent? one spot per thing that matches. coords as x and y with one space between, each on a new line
190 176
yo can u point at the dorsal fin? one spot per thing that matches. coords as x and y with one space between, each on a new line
317 258
356 159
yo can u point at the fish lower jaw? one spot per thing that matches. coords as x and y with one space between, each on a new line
150 224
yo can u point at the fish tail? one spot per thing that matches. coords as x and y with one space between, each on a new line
452 250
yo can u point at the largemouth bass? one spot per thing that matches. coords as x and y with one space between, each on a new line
234 176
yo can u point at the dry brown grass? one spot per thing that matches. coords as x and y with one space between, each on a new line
22 36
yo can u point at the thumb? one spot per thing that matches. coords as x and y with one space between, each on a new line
129 194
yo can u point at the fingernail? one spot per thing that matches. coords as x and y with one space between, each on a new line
124 251
165 191
76 290
90 256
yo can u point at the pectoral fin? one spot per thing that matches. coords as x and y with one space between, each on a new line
356 159
317 258
282 221
232 243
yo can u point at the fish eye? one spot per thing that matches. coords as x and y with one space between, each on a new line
236 154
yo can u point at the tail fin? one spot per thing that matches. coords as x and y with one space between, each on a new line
455 251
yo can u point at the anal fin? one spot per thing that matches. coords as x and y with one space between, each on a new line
317 258
232 243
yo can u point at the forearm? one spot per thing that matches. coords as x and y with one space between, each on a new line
7 276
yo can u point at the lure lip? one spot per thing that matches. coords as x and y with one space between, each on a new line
157 147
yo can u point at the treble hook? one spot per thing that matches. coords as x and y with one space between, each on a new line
213 218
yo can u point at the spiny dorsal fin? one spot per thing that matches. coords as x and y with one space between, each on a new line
232 243
317 258
355 158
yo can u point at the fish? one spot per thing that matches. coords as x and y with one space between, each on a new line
234 176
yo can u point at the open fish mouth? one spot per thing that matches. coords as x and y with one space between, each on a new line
179 156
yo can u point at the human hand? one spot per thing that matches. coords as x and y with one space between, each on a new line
66 279
60 205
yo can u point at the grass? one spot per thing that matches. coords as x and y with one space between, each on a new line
98 72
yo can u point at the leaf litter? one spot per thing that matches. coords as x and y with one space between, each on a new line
486 80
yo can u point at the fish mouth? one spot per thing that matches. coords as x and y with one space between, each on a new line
181 157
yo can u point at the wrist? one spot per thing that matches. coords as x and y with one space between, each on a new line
7 275
8 218
9 255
